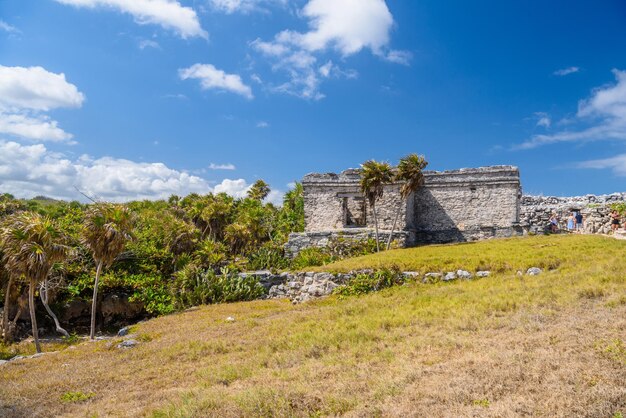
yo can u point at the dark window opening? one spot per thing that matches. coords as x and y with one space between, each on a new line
354 212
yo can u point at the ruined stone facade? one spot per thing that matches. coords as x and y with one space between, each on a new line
459 205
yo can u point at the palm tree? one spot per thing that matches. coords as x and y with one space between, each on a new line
106 229
410 173
374 176
259 190
31 245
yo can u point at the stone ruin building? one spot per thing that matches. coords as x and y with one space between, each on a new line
463 205
453 206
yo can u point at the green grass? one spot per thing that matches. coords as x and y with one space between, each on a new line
567 252
547 345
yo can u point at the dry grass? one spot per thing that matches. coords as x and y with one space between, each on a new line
549 345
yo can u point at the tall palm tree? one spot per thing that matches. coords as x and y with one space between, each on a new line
259 190
31 245
374 176
410 173
106 230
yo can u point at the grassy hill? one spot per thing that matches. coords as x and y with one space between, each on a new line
503 346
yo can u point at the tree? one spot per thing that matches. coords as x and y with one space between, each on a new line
410 173
374 176
259 190
106 230
31 245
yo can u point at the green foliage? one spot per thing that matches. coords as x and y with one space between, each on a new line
203 233
78 396
620 207
365 283
193 286
311 257
268 256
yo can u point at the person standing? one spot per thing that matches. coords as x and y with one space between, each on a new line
554 223
571 222
579 222
614 220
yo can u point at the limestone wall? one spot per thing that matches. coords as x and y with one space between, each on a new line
326 197
467 205
458 205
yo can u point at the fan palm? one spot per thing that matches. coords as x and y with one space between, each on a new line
374 176
106 230
410 173
31 245
259 190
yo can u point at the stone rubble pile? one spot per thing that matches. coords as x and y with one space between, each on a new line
535 211
304 286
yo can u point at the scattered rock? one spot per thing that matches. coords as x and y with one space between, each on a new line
410 274
449 276
3 362
127 344
534 271
230 319
483 273
519 273
431 277
123 332
463 274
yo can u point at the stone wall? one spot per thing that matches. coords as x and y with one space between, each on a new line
299 241
536 211
467 205
458 205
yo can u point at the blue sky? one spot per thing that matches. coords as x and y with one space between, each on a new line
142 99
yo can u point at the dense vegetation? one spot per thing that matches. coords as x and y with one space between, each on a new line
167 254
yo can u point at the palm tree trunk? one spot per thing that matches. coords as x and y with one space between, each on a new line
43 294
5 313
94 302
376 226
33 317
393 228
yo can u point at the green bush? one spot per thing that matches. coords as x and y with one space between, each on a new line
269 256
311 257
365 283
193 287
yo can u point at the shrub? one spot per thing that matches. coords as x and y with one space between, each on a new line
268 256
365 283
311 257
193 287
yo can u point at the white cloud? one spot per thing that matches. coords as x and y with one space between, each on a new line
399 57
262 124
346 27
566 71
169 14
228 166
543 119
37 89
26 93
148 43
243 6
8 28
236 188
212 78
38 128
239 189
617 164
603 115
31 170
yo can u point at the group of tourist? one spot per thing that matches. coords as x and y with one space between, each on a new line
575 222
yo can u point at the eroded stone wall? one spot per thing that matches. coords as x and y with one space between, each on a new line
458 205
